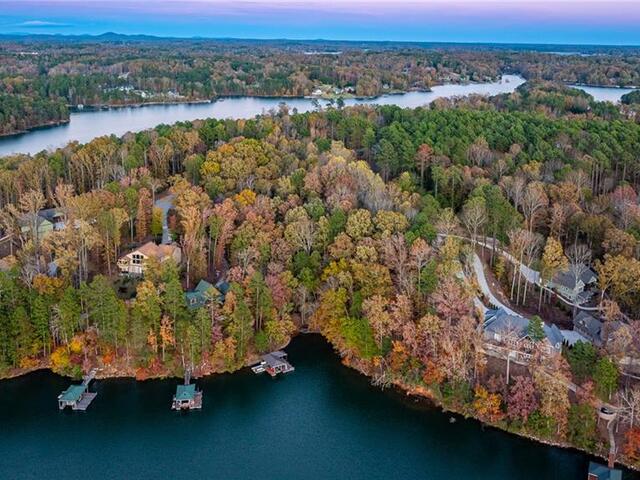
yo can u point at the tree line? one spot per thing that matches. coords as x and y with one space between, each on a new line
329 219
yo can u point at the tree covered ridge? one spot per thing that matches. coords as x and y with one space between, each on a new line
329 219
52 74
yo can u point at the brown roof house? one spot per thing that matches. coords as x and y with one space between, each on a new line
133 263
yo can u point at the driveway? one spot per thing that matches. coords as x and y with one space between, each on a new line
165 203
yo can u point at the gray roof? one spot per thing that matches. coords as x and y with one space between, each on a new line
567 278
52 214
588 324
554 335
500 322
274 359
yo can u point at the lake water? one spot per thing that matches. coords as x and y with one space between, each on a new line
604 94
323 421
87 125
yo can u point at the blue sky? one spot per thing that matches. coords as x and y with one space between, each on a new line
522 21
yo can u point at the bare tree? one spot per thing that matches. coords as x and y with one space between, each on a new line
579 256
474 216
302 234
531 253
514 187
447 222
630 405
533 203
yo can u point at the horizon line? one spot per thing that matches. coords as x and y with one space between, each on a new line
285 39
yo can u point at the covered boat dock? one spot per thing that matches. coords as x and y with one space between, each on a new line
78 397
273 363
187 398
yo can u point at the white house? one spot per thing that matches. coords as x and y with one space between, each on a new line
572 288
133 263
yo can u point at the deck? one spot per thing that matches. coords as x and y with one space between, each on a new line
273 363
84 401
78 397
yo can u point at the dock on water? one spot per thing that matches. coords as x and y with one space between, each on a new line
273 363
78 397
187 397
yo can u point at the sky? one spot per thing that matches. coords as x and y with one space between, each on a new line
501 21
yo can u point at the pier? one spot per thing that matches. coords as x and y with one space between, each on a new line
78 397
187 397
273 363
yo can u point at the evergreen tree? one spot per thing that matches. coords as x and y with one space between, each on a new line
536 329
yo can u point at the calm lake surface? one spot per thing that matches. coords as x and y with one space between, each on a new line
85 126
604 94
323 421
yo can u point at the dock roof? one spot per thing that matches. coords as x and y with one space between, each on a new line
602 472
73 393
275 359
185 392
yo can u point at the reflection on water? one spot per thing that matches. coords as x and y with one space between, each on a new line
87 125
323 421
604 94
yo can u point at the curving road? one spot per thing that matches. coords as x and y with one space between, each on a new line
531 275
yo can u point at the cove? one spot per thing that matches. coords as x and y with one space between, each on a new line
87 125
604 94
323 421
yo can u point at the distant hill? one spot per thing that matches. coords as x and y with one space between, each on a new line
112 37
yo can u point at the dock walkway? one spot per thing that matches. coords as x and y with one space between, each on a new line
78 397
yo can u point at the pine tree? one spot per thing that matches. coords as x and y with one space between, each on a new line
143 218
536 329
69 313
40 320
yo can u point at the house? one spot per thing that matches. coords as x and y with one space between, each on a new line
133 263
223 287
55 216
602 472
202 295
33 221
554 336
589 327
566 284
513 330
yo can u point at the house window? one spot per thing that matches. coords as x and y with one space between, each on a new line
136 259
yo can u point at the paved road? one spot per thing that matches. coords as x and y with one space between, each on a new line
531 275
484 286
165 203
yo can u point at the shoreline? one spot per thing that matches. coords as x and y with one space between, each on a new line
421 394
73 109
40 126
426 395
616 87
